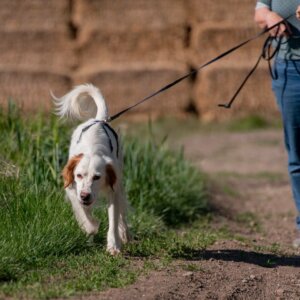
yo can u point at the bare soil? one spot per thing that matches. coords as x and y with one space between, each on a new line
249 176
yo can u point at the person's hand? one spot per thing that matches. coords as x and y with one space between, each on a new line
271 19
298 12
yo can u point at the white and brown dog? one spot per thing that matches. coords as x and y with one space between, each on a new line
95 164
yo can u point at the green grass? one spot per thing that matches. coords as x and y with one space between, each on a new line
163 183
249 123
250 220
43 252
173 128
267 176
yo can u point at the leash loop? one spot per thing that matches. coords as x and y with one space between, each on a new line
266 54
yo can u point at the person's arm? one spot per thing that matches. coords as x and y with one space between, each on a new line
260 16
265 17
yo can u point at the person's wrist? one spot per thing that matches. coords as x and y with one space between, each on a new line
267 15
270 15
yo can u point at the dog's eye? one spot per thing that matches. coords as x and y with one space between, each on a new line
96 177
79 176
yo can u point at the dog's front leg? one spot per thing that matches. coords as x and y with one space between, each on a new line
123 205
113 239
83 215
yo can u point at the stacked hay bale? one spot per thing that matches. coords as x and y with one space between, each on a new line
36 52
130 49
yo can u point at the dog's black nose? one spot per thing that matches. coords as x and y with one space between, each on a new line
85 197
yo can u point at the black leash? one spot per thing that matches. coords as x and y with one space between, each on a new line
267 55
267 45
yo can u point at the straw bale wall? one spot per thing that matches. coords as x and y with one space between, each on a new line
130 49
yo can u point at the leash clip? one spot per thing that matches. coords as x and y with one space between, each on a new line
228 105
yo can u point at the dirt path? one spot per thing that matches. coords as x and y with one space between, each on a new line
252 198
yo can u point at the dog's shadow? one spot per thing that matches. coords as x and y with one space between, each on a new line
234 255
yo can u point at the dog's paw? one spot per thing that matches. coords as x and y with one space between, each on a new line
125 236
113 251
90 241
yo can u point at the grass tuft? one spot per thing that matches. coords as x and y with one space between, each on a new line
163 183
249 123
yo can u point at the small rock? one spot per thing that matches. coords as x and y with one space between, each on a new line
244 281
252 277
187 274
280 292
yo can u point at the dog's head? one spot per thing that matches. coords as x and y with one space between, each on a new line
88 174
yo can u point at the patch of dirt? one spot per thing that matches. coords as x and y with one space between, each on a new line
254 167
250 180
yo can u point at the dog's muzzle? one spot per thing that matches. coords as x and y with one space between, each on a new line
86 198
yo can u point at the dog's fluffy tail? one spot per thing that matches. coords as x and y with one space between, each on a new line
80 103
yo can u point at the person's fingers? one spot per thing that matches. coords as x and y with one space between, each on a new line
282 30
274 32
278 30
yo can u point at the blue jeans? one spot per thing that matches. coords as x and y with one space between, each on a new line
287 91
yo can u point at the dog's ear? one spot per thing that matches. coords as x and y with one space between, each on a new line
68 170
110 177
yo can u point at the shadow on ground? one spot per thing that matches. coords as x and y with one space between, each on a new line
249 257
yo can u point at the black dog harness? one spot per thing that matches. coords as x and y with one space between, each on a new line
106 129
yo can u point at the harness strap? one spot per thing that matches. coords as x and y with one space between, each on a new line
86 128
106 128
